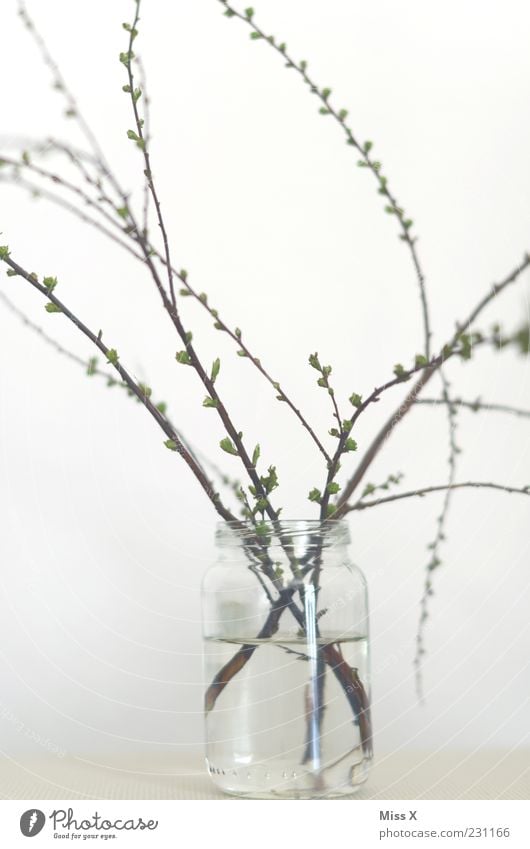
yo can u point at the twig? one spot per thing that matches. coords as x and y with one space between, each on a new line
363 505
477 406
132 232
426 374
142 144
142 396
38 192
147 131
73 110
435 545
374 166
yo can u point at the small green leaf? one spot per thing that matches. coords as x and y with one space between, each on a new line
420 360
263 529
350 444
249 12
183 357
400 372
343 114
241 353
171 444
185 293
215 369
50 307
112 356
126 88
255 36
315 495
126 58
326 93
123 211
256 455
50 283
314 362
25 158
330 510
210 402
333 488
324 111
237 332
367 146
162 407
4 252
92 366
188 336
228 446
229 13
11 272
137 93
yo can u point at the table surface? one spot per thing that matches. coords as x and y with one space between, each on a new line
482 774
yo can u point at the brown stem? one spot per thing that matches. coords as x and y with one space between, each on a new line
363 505
133 386
147 159
435 363
339 116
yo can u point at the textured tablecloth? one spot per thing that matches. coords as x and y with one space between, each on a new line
398 775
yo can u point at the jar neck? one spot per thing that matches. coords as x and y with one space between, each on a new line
292 537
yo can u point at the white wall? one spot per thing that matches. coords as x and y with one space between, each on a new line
105 535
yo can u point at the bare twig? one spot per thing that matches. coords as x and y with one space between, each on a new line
435 545
363 505
476 406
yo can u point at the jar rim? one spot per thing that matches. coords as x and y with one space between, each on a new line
307 533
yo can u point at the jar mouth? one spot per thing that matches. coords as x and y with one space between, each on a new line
286 533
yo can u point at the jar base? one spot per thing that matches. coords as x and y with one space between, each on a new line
283 781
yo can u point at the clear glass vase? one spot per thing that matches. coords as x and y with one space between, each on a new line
286 661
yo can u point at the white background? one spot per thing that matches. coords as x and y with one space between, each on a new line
105 535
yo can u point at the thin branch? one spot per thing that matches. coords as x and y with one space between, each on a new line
147 132
72 107
67 185
132 232
38 192
425 375
91 369
362 149
476 406
436 544
135 388
142 143
363 505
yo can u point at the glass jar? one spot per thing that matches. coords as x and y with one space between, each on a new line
286 662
